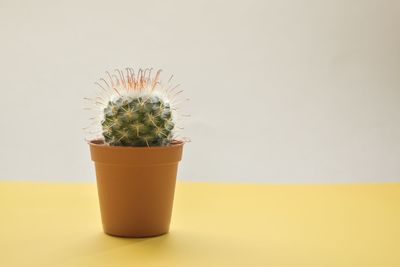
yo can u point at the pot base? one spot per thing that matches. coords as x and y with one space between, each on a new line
136 235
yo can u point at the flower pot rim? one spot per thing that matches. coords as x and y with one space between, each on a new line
100 143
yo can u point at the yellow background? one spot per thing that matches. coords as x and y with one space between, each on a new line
43 224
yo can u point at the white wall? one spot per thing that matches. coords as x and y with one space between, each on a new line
281 91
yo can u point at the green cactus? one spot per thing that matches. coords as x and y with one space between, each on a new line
142 120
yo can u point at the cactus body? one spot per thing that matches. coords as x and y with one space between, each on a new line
141 120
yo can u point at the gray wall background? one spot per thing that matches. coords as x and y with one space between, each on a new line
281 91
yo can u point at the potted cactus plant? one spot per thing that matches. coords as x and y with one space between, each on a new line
137 152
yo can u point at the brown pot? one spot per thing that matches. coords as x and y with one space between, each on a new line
136 187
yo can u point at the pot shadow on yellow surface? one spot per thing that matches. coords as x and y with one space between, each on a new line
175 248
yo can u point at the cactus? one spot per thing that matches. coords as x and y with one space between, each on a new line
136 109
144 120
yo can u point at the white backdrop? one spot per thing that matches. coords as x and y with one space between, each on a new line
281 91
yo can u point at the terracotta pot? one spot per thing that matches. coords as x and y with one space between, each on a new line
136 187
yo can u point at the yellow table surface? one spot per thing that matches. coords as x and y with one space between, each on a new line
44 224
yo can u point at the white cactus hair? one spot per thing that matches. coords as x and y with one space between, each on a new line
130 83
